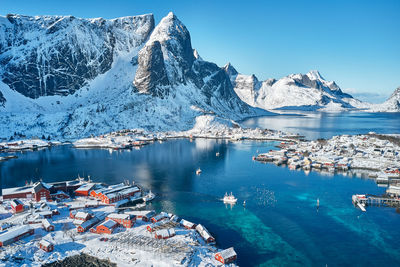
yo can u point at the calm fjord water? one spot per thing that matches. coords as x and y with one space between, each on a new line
280 224
315 125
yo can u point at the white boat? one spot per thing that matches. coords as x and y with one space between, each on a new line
229 199
149 197
198 171
217 154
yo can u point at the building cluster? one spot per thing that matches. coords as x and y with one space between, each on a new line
90 208
371 152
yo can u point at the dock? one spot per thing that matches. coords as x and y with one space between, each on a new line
362 201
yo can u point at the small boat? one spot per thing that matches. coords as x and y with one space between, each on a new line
244 203
149 197
317 202
198 171
217 154
229 199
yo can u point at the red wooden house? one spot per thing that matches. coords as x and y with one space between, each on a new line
40 192
159 217
125 220
187 224
164 233
86 225
107 227
17 206
226 256
46 245
84 189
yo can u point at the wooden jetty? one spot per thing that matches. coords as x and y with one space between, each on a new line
371 200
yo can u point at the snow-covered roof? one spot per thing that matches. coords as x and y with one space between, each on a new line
119 216
166 232
46 223
187 223
14 232
16 202
141 213
45 243
90 222
122 191
85 187
228 253
82 215
109 224
16 190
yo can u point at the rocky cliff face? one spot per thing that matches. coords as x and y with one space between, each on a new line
55 55
75 77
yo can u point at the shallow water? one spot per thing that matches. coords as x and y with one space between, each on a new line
315 125
280 224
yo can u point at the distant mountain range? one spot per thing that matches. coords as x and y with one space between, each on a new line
71 77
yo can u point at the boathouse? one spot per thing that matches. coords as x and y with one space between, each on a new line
126 220
205 234
17 206
15 234
46 246
47 225
159 217
107 227
144 215
226 256
164 233
187 224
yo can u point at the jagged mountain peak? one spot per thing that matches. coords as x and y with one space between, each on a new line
314 75
230 70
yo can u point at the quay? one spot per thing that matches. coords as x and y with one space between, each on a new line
370 200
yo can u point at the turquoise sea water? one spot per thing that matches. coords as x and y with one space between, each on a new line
280 224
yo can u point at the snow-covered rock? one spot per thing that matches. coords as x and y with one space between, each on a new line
392 104
69 77
295 91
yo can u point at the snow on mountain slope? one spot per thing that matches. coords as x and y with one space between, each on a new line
57 55
153 79
392 104
296 91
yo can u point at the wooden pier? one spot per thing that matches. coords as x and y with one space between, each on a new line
371 200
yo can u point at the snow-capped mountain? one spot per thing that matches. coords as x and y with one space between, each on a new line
392 104
295 91
72 77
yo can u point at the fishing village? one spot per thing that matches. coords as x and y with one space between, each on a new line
46 222
371 155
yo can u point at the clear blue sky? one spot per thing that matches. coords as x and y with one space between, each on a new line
355 43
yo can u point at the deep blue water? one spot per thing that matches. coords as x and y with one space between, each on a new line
315 125
280 224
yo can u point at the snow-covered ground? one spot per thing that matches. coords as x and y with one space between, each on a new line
124 247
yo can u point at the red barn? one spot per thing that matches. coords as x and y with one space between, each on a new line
40 192
125 220
226 256
46 246
17 206
106 227
144 215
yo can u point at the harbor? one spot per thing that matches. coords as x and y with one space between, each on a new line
59 217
